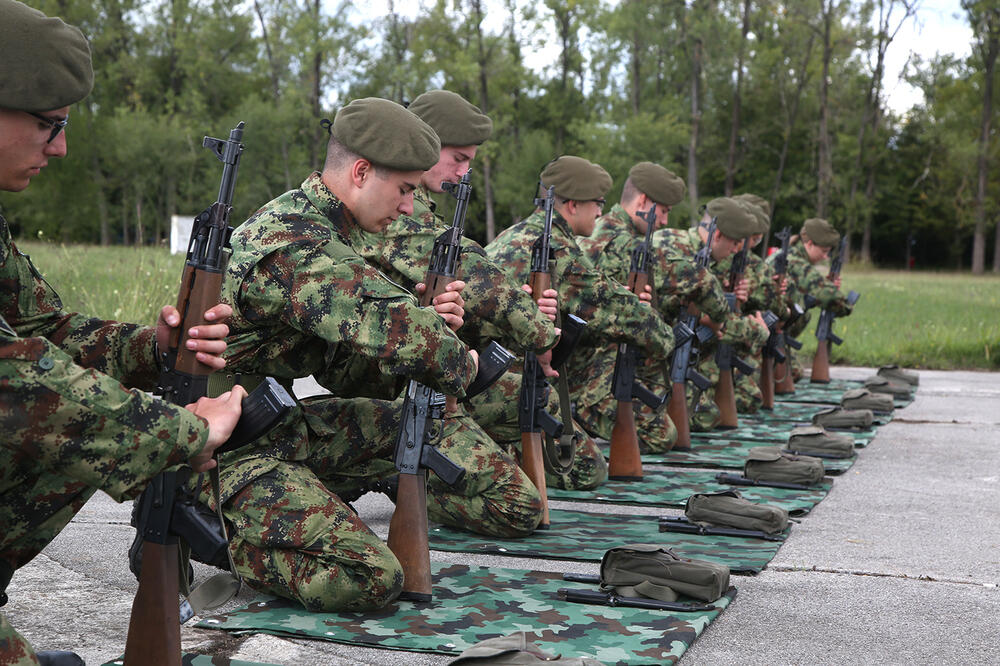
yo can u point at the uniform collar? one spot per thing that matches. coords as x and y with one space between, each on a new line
330 206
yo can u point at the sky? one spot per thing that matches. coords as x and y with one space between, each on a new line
939 27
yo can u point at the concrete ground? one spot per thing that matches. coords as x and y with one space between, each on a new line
899 564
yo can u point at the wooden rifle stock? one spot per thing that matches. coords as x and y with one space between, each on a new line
725 399
624 461
154 630
534 468
821 363
767 381
784 383
678 412
408 536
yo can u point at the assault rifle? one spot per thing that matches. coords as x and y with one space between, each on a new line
624 462
682 367
725 359
824 327
165 511
533 419
415 453
774 349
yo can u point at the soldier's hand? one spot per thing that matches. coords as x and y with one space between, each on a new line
222 413
207 340
548 303
450 305
782 283
759 318
742 290
647 295
836 282
545 363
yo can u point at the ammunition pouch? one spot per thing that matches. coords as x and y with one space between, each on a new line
769 463
880 384
840 418
898 374
864 399
514 650
728 508
816 441
649 570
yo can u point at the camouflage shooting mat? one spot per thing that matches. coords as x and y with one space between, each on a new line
823 394
728 454
797 414
585 537
201 660
472 604
673 487
766 433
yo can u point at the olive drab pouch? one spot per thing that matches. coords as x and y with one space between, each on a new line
769 463
838 417
816 441
650 570
730 509
864 399
896 389
514 650
897 374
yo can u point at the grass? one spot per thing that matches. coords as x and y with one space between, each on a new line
916 319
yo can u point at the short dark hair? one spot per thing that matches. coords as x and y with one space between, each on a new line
629 191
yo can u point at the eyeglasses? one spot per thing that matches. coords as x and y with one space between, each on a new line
599 202
55 125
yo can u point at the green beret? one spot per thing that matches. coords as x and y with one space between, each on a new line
660 185
763 224
731 218
46 63
576 178
456 121
386 134
820 232
758 201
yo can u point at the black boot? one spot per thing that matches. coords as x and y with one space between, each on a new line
59 658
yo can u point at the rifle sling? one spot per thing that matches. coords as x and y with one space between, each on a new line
220 382
557 461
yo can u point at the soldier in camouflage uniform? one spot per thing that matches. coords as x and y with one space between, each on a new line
812 246
70 425
613 313
306 303
735 224
494 306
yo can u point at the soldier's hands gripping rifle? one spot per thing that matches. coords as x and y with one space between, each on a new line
624 462
533 419
422 406
682 367
165 511
824 327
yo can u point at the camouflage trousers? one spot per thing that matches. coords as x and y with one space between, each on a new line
294 537
35 506
496 410
14 649
597 408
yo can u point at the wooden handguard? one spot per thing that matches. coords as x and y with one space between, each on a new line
199 292
408 537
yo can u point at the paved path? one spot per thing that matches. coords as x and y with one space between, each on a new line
899 564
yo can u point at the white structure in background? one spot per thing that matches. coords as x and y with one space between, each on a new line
180 233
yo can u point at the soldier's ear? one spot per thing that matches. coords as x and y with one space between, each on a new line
361 171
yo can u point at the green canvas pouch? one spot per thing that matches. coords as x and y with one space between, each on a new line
769 463
878 384
730 509
650 570
898 374
864 399
838 417
809 440
514 650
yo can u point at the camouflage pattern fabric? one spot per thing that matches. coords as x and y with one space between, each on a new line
70 426
496 410
472 604
492 300
725 454
763 431
306 303
585 537
673 487
612 312
800 413
822 394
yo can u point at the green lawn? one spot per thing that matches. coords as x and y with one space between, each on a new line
918 319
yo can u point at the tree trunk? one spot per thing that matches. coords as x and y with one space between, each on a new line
695 125
825 167
484 103
275 89
635 49
989 59
734 125
316 94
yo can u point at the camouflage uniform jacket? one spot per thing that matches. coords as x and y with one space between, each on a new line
403 252
683 245
62 403
304 302
677 280
612 312
804 278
